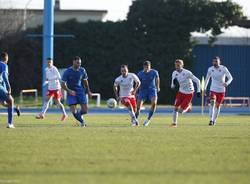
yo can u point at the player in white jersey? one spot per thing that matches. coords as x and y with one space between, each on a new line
128 84
218 73
53 78
185 94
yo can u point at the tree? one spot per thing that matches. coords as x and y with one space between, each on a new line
162 29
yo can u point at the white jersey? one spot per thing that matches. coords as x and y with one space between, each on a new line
126 84
185 79
53 78
218 76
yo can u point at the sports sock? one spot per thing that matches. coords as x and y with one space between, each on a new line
137 114
45 107
10 115
211 111
78 117
175 117
132 114
216 114
62 108
150 114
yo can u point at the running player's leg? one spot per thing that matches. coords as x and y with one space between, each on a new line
219 100
142 96
186 103
212 107
44 108
138 107
127 103
82 100
182 104
73 110
178 102
61 106
4 96
10 102
57 98
134 109
72 102
153 98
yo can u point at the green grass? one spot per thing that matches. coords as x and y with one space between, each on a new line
109 151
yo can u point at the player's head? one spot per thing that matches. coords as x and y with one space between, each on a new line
50 62
216 61
77 62
4 57
146 66
124 70
179 64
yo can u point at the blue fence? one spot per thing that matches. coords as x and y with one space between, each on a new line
235 58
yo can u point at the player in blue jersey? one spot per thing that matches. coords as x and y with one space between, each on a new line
150 86
5 89
75 82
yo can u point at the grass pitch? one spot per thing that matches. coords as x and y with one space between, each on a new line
109 151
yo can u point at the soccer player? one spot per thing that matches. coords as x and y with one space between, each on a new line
75 82
5 88
218 73
150 86
53 78
185 94
125 82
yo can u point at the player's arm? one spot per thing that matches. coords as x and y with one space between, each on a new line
64 84
46 80
172 81
58 74
65 87
229 78
207 79
86 85
157 81
137 84
6 81
116 89
198 84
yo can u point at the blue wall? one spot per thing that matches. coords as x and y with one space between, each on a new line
235 58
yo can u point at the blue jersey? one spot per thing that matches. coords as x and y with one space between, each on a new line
4 81
74 78
148 79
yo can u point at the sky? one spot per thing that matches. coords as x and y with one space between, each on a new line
117 9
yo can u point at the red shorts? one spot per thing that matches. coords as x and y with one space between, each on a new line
57 94
127 101
218 97
183 100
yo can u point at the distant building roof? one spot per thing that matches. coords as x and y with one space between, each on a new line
233 35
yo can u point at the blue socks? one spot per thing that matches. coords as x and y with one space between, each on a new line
78 116
137 114
150 114
10 115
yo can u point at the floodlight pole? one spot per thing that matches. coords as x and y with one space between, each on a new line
48 39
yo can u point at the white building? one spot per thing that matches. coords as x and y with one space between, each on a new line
15 18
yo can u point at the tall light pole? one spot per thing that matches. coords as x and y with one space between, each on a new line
48 37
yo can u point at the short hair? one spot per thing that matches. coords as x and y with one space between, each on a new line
49 58
76 58
4 55
179 61
124 66
216 57
146 63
